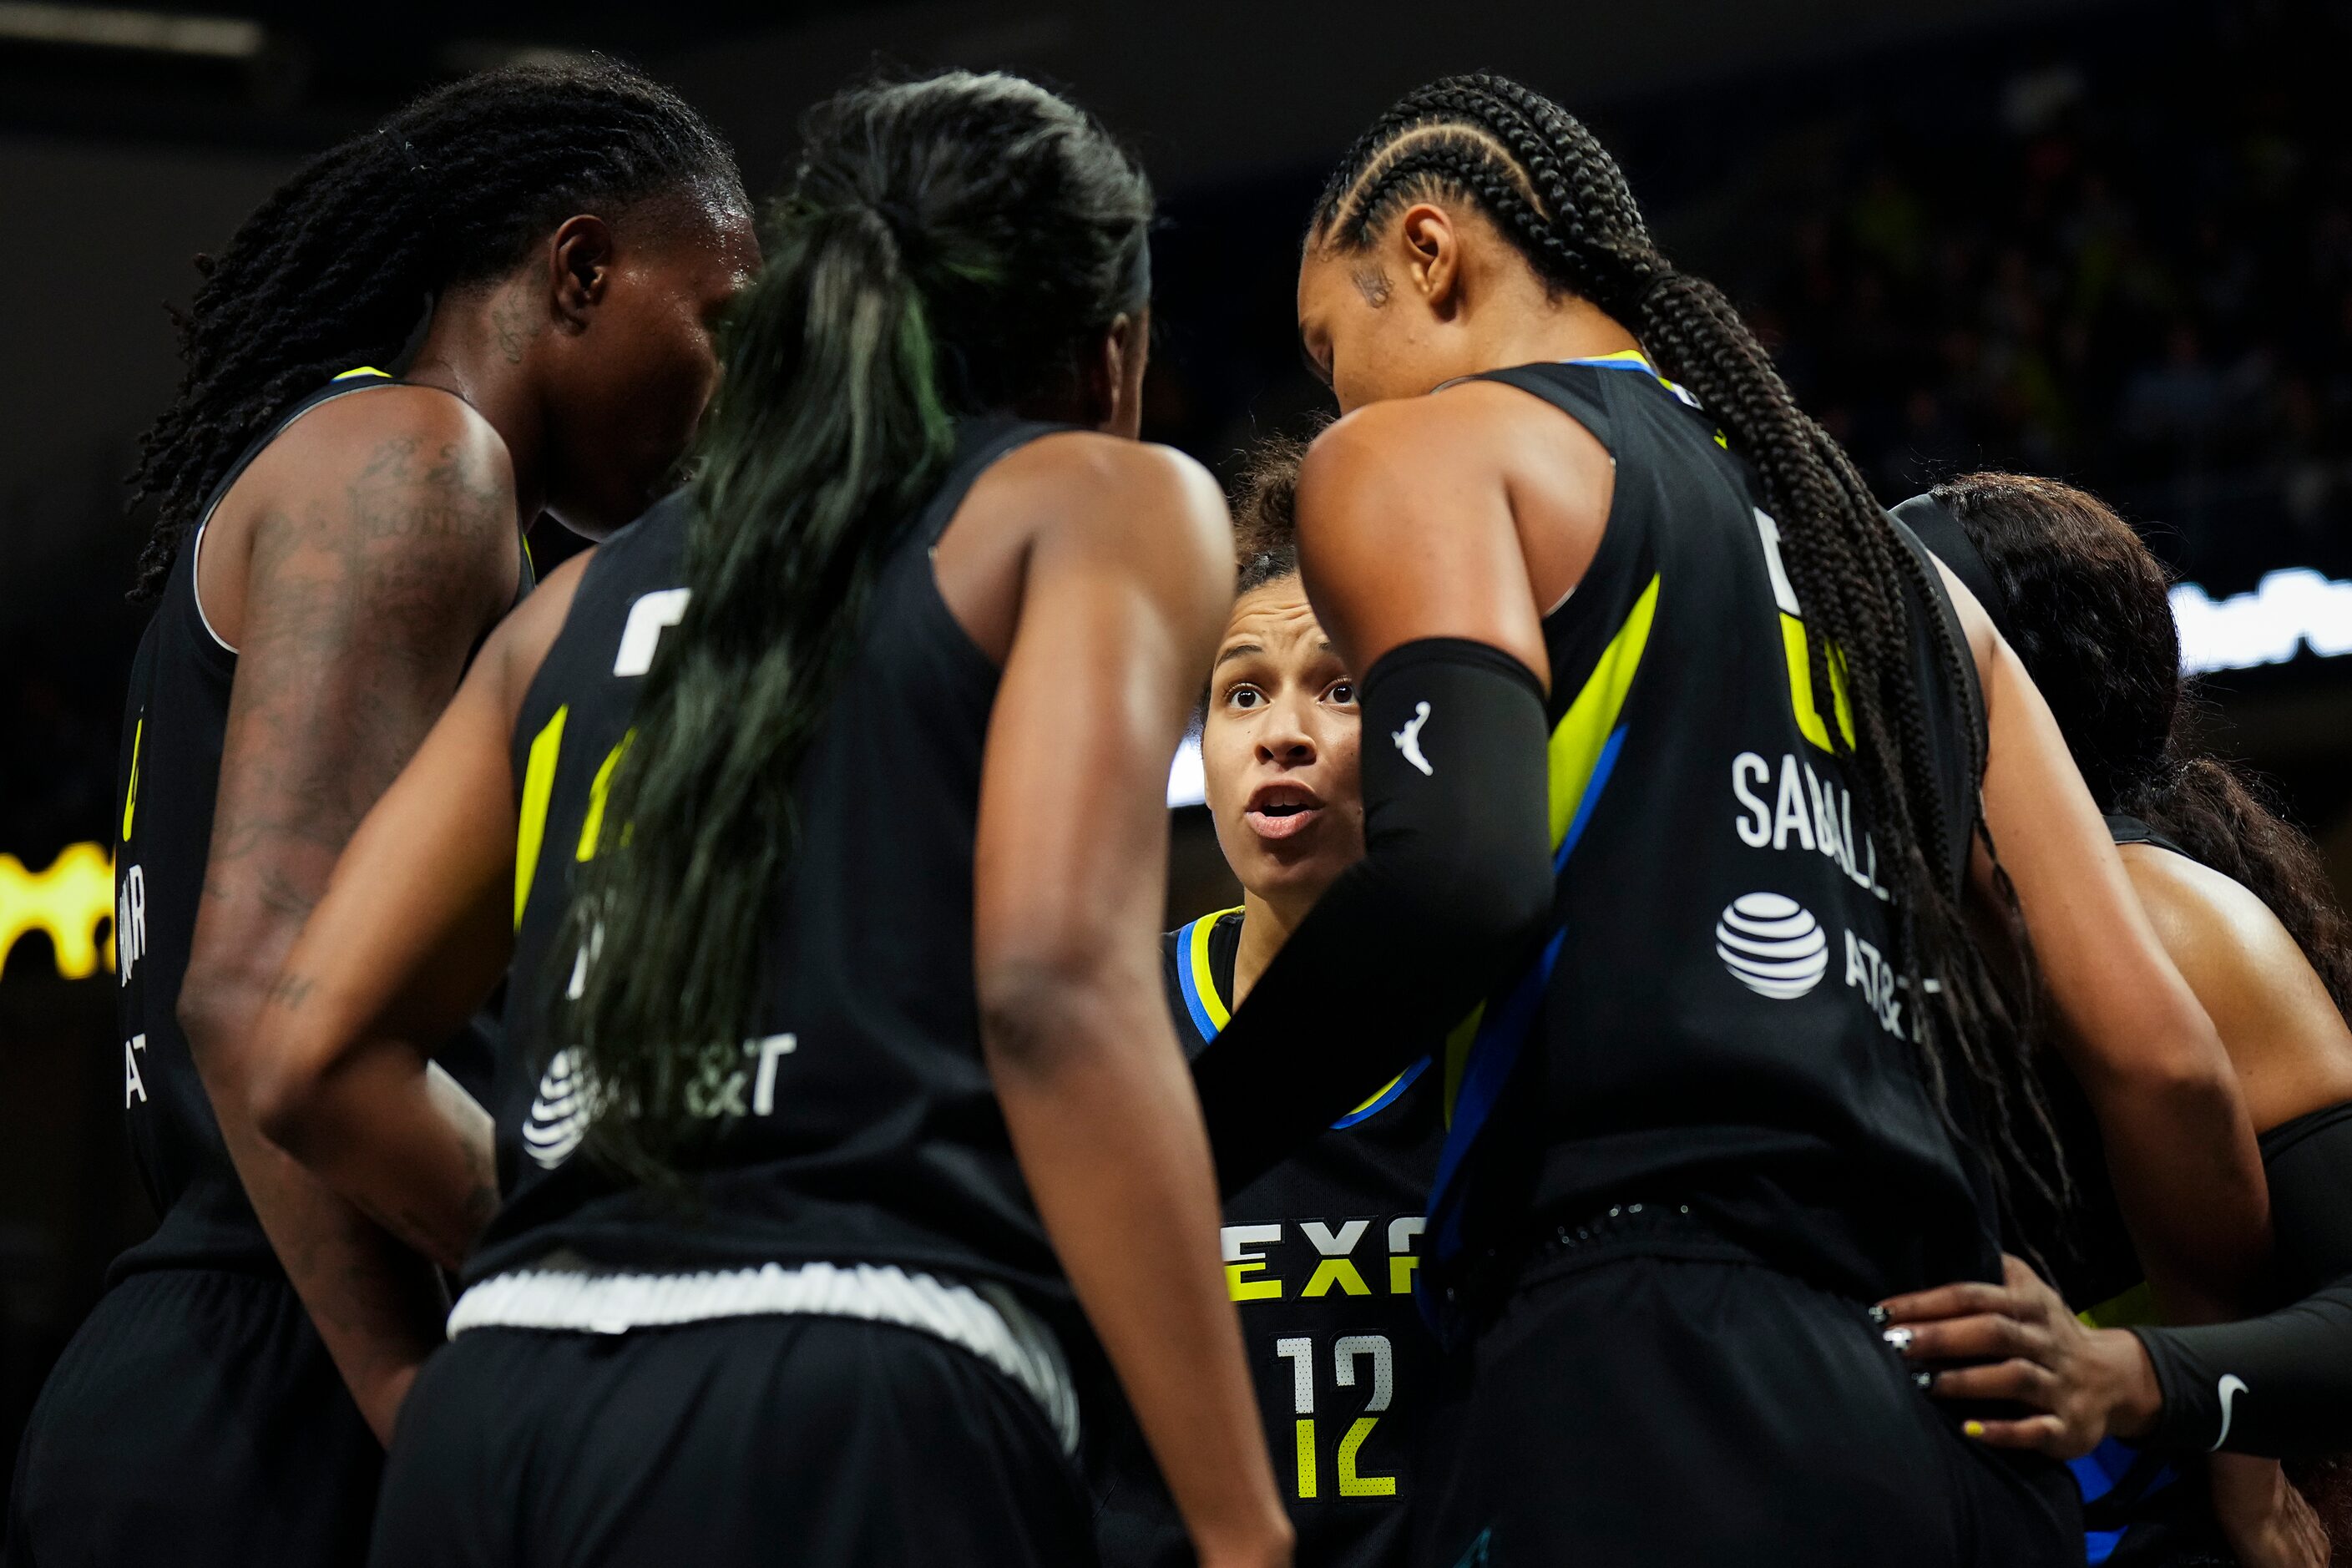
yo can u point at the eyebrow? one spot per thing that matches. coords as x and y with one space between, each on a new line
1239 650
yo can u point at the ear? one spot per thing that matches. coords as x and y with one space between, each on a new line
579 270
1429 254
1114 376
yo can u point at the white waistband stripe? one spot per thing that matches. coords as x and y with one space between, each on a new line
986 1320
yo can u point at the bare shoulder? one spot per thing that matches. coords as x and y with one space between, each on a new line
2204 917
410 434
1132 498
2287 1040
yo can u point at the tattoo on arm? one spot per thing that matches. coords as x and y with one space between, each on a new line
290 991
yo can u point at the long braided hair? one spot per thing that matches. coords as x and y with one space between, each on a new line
340 265
1559 198
952 245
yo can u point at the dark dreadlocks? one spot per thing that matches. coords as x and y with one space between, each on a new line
338 266
1560 199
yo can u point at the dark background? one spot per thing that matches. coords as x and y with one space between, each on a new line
2111 242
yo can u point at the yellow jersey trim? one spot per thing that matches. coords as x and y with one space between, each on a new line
538 784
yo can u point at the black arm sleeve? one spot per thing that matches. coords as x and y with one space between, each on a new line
2278 1385
1454 887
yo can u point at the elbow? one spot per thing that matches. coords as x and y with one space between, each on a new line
1483 911
280 1101
1038 1009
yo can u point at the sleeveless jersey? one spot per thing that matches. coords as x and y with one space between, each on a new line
862 1126
1712 1020
1322 1254
174 725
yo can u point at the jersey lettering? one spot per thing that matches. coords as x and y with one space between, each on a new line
130 921
652 615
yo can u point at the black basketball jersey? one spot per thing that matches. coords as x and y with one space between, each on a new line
862 1126
1713 1019
173 729
1322 1255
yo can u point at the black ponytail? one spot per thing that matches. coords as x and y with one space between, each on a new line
338 267
951 245
1561 200
2083 602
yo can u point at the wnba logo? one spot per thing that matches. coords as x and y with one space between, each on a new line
1773 945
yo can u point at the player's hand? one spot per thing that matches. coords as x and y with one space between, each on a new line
2266 1522
2080 1385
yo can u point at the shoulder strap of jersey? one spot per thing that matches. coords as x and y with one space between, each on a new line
1572 388
980 442
2126 829
360 378
1197 977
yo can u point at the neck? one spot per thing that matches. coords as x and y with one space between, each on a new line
1266 925
1568 328
478 345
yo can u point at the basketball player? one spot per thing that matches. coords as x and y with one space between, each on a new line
1322 1251
332 543
2243 907
1673 755
836 1065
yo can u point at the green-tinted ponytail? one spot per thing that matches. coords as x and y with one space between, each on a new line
948 247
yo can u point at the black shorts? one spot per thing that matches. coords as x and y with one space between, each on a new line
194 1420
821 1442
1648 1410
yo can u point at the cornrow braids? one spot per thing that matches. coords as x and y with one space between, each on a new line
1560 199
338 266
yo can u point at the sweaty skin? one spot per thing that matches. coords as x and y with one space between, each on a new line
1095 571
352 567
1279 744
1469 511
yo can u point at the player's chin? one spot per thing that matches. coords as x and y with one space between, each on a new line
1303 862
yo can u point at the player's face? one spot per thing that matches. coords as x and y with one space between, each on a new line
1368 339
1278 747
642 364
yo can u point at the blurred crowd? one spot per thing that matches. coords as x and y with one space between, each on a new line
2126 259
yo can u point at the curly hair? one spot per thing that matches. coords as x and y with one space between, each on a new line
2083 602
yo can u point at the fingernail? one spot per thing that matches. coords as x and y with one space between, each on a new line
1973 1428
1898 1338
1923 1380
1878 1315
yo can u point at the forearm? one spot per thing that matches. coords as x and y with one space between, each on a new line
2188 1173
2278 1385
397 1136
1450 896
1102 1120
378 1305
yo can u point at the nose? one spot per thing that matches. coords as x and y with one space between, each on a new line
1284 738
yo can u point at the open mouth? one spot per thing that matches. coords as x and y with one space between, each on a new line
1281 810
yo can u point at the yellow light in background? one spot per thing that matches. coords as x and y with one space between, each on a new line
68 901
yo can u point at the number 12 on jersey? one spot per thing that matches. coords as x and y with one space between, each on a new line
1345 1355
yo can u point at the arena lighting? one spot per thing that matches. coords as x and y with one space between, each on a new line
2287 611
68 901
1186 783
154 32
